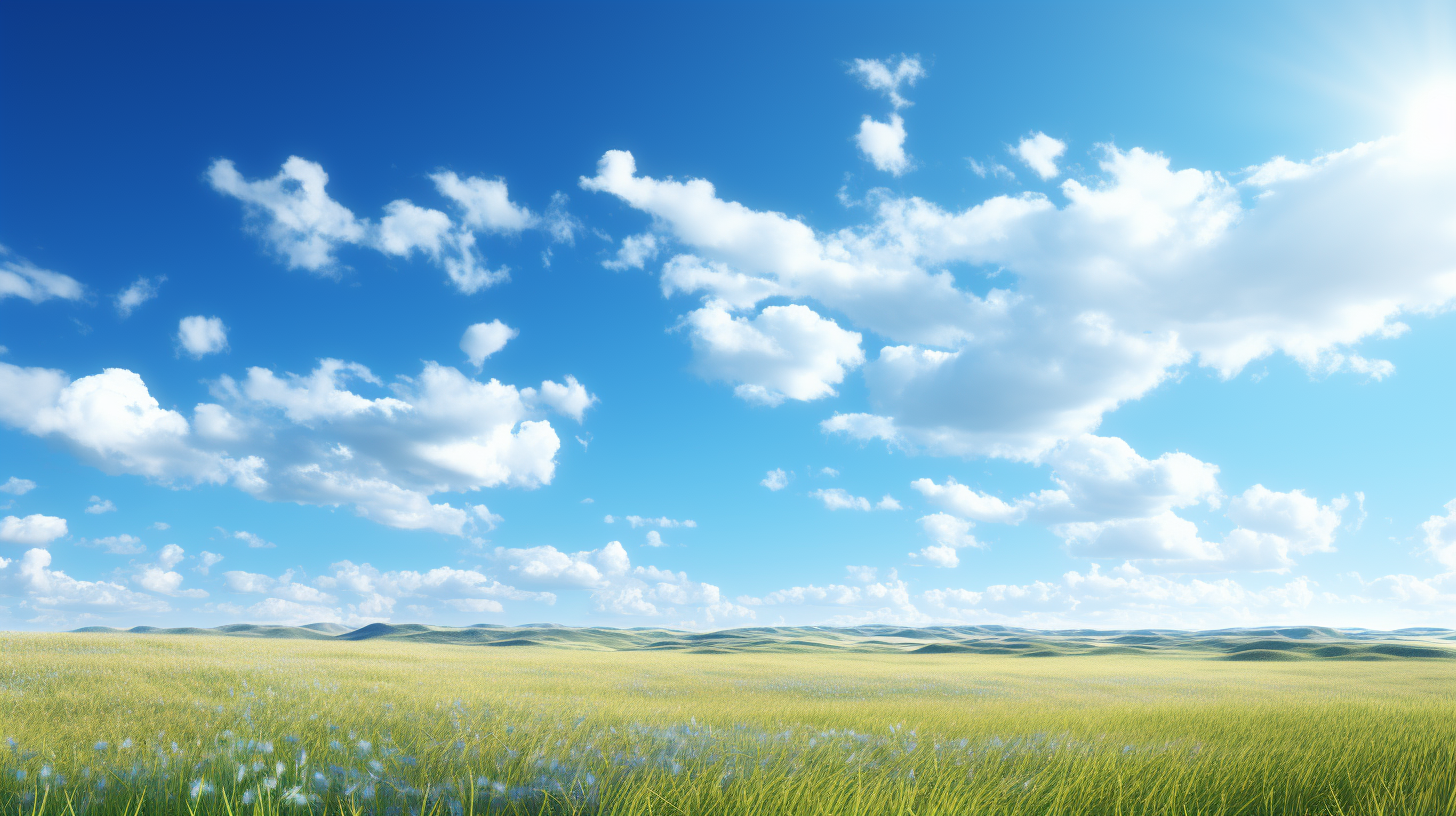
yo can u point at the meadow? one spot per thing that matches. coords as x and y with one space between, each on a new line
135 724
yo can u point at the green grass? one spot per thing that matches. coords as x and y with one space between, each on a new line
532 730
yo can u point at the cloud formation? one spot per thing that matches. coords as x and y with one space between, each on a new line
310 439
20 278
1102 294
200 336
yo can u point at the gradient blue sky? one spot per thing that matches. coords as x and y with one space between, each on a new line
1138 314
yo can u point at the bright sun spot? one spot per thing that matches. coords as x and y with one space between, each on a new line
1430 116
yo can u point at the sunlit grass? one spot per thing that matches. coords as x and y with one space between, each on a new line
138 724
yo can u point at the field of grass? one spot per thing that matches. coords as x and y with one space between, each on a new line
139 724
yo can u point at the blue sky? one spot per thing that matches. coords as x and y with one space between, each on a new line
1046 315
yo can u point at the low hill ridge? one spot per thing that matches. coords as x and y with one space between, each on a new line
1258 643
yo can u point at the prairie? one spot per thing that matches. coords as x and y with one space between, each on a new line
206 723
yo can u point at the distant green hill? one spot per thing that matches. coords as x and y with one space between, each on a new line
1266 643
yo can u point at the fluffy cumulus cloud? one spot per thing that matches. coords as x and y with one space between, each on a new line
949 534
776 479
484 339
56 598
883 144
785 352
310 438
200 336
1441 536
206 561
33 530
99 505
1110 502
302 223
20 278
162 579
1040 152
1103 290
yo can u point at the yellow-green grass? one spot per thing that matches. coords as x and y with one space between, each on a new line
468 729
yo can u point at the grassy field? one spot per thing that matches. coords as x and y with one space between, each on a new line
138 724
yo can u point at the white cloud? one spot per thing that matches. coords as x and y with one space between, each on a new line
1109 502
1125 598
888 502
55 595
283 587
17 486
317 396
660 521
1102 294
169 556
615 585
786 352
406 228
1097 478
253 540
883 144
635 252
206 561
654 539
570 400
836 498
280 610
161 525
110 419
949 534
776 479
549 567
1441 536
1295 517
687 274
161 579
35 529
484 339
485 202
20 278
309 439
462 590
474 605
306 226
140 291
1040 152
123 544
1272 527
888 598
878 75
99 505
200 336
828 471
295 213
